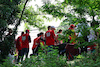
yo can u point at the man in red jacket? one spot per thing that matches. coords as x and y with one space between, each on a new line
26 39
19 46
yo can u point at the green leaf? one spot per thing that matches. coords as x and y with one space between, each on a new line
11 0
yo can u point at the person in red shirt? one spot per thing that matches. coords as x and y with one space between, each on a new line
72 36
50 36
71 51
59 32
26 39
19 46
72 26
40 40
35 45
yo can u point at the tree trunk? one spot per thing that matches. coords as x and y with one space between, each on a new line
14 32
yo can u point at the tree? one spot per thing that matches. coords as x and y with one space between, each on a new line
9 15
33 18
74 12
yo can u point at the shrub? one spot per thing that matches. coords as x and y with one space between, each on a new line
7 63
91 60
50 59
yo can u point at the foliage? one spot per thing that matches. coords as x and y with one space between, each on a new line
89 60
50 59
31 18
8 16
7 63
75 12
11 13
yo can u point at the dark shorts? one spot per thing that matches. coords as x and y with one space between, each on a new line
19 52
25 51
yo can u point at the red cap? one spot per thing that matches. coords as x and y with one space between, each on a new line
72 26
28 31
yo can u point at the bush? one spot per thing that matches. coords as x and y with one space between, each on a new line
50 59
91 60
7 63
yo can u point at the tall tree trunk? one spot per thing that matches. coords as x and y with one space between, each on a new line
14 32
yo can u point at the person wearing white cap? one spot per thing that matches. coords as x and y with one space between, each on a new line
50 36
52 28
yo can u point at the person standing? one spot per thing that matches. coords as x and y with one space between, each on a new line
26 39
35 45
50 37
72 35
19 46
59 33
40 42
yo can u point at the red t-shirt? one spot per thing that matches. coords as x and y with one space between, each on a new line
34 44
18 45
49 35
25 41
38 40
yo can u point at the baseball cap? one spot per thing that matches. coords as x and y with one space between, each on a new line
27 30
72 25
52 27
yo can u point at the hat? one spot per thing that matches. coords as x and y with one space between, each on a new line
52 27
27 30
72 26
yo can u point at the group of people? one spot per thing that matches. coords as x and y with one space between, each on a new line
48 38
22 45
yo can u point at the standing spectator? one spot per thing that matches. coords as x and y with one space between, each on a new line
19 46
26 39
